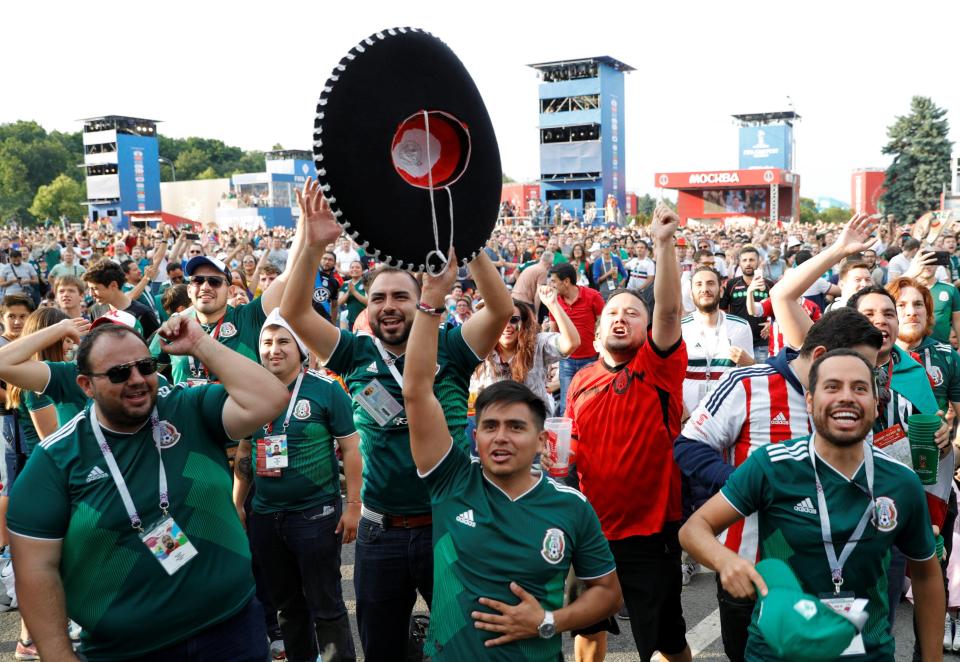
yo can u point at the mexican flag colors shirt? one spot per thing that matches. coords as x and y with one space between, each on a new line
115 587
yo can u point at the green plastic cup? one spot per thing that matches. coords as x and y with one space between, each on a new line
924 453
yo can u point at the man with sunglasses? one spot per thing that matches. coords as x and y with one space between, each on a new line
106 280
91 498
236 327
831 506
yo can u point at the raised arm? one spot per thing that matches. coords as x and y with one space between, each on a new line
792 318
429 437
17 365
179 246
274 293
666 289
483 329
320 228
569 336
256 396
148 275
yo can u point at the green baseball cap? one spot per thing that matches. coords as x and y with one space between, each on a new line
797 626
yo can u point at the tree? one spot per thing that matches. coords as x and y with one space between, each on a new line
191 162
507 179
646 203
808 210
834 215
209 173
63 196
15 190
921 160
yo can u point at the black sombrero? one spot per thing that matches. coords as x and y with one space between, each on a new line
405 151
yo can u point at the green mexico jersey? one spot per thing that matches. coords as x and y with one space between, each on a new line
943 367
64 392
483 540
777 482
30 401
115 588
145 297
239 331
354 306
946 302
390 483
321 414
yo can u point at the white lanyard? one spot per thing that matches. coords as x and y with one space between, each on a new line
268 428
135 520
391 362
836 564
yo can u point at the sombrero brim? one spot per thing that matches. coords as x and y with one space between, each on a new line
382 83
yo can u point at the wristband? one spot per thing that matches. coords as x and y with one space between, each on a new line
430 310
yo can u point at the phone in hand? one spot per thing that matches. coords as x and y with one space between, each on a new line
943 258
192 236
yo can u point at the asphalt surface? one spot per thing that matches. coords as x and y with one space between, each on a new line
699 607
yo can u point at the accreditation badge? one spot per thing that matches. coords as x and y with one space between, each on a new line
850 607
894 442
276 451
267 456
169 545
377 402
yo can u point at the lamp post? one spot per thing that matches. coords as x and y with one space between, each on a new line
169 163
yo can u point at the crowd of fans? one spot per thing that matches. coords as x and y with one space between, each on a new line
711 338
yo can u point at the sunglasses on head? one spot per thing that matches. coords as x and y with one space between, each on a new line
118 374
215 281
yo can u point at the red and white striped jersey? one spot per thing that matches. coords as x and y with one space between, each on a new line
775 341
750 408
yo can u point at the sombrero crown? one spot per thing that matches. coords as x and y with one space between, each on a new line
405 150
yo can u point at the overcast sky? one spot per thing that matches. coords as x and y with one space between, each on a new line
249 73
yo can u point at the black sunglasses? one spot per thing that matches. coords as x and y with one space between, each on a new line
215 281
515 320
118 374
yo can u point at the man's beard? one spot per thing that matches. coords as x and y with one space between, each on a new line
115 412
747 271
910 337
397 338
708 307
821 421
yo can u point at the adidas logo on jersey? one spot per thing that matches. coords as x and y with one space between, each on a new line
373 367
806 506
779 419
96 474
466 517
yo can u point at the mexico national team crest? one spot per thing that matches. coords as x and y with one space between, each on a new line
936 375
553 546
228 330
169 435
885 514
302 411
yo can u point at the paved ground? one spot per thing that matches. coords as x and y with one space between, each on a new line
699 605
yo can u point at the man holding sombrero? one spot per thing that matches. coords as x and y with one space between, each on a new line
394 557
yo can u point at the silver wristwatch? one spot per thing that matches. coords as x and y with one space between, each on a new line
547 629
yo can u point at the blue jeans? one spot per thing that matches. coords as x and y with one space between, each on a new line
240 638
299 556
568 368
391 566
